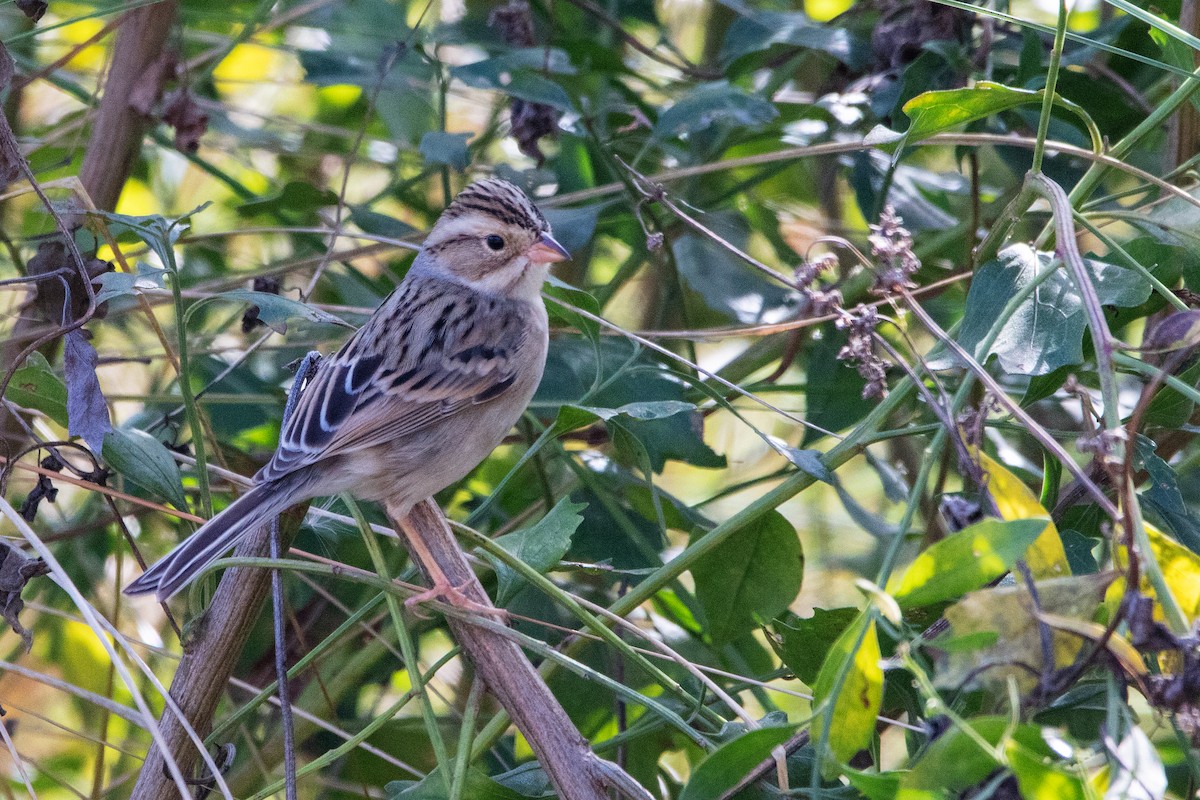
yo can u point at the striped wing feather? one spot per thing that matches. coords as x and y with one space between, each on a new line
425 354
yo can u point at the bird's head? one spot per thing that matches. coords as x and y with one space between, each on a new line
493 238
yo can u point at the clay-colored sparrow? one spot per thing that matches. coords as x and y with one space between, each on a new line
420 394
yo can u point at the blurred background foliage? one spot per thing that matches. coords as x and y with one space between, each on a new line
697 158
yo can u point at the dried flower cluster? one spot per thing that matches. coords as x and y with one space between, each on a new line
891 247
531 122
819 301
861 324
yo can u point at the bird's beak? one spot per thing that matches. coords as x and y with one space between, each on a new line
547 251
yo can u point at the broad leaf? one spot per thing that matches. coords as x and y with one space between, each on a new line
729 763
726 283
851 678
541 546
1046 331
1008 611
965 561
141 458
711 104
751 577
450 149
87 409
35 386
758 30
1046 556
800 641
120 284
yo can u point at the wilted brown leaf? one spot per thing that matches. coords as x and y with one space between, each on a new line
16 570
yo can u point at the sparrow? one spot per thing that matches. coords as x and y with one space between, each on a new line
421 394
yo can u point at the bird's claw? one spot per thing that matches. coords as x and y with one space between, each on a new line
455 596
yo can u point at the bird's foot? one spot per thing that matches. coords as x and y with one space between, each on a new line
447 592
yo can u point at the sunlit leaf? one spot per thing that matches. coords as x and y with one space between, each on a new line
1046 332
1046 556
851 678
965 561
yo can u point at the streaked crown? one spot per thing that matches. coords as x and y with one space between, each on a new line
499 199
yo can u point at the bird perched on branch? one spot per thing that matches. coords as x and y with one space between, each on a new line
421 393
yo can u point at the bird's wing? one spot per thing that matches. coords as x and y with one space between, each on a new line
423 356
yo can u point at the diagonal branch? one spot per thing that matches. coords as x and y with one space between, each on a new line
574 770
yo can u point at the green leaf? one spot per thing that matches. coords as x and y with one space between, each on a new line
141 458
802 642
934 112
730 762
158 232
296 197
450 149
954 761
519 74
477 786
965 561
833 396
541 546
379 224
275 310
875 785
35 386
557 290
119 284
856 656
1170 408
572 417
757 31
1039 780
753 575
726 283
711 104
1046 331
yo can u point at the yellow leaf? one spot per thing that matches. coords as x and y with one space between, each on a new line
1046 557
1016 650
1180 568
857 700
1122 650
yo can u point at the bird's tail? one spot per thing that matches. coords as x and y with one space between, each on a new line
255 508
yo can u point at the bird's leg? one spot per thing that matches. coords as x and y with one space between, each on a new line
443 588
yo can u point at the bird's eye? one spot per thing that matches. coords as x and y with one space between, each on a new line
495 242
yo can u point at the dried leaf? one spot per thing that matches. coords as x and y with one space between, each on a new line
190 123
15 571
34 9
44 490
87 409
531 122
1008 611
